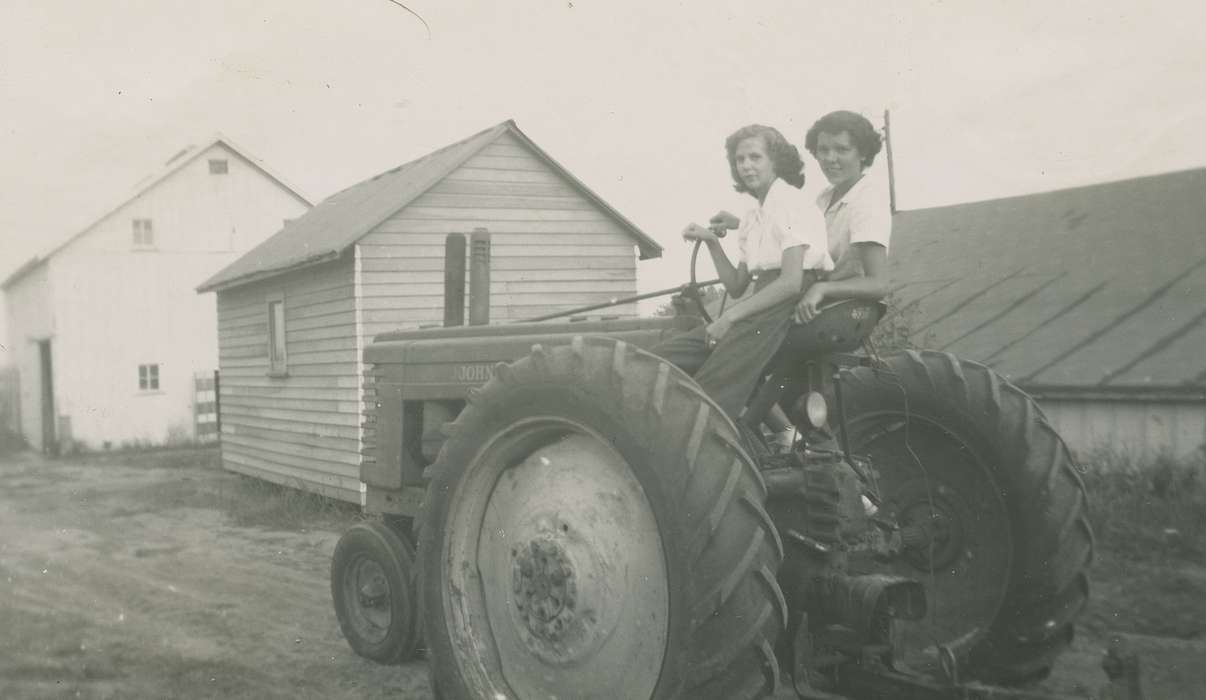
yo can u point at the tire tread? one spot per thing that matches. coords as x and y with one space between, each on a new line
1044 494
734 605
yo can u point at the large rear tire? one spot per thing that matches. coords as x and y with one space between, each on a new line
593 529
954 443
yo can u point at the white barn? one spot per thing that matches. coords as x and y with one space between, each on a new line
105 330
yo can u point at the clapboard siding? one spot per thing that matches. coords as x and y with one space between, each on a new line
313 434
552 249
327 483
464 200
433 243
1142 429
302 429
496 276
396 264
400 224
517 189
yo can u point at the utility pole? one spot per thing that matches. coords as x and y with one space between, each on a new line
891 171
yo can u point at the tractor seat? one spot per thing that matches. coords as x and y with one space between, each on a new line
840 327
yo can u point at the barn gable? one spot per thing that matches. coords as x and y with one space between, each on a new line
331 228
218 146
552 247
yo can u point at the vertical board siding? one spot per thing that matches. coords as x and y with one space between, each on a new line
1140 429
552 249
300 430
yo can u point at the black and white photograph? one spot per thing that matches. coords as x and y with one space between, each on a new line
583 350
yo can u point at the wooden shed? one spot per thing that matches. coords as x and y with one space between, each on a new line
295 313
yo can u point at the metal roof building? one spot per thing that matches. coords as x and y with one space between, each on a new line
1092 298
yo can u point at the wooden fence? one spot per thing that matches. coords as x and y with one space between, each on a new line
206 407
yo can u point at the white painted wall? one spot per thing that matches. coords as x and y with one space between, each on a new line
5 350
116 307
30 319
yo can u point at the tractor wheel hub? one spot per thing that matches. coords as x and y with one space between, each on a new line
545 588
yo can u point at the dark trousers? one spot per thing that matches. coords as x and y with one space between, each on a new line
731 370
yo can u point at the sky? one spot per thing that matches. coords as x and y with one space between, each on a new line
988 99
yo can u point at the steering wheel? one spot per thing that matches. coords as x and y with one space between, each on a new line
691 290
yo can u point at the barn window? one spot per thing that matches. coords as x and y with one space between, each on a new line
148 377
144 233
218 166
276 337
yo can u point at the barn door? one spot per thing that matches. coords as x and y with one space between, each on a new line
50 443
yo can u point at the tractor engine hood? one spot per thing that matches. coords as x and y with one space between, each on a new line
444 363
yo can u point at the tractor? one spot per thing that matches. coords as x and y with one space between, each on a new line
560 513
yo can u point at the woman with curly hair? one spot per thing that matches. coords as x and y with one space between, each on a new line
858 219
782 250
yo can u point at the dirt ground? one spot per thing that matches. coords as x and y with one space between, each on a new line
131 578
114 584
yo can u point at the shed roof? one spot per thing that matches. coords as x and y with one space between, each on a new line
171 166
330 228
1099 288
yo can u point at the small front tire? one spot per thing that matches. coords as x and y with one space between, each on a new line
373 586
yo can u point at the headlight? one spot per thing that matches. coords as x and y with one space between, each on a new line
816 409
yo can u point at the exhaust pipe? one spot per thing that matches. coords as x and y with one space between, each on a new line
454 279
479 277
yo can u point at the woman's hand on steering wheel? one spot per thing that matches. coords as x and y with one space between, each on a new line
724 221
695 232
808 306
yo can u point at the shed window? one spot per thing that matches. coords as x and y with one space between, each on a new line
144 233
218 166
276 337
148 377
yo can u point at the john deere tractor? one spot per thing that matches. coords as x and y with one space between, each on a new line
563 514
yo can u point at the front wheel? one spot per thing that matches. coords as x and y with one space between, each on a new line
373 587
594 530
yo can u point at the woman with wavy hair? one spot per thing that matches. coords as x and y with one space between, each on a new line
782 250
858 218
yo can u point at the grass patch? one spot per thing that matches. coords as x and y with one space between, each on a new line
250 502
161 457
199 481
11 441
1150 520
1151 512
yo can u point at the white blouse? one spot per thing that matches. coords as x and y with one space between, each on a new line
783 220
862 215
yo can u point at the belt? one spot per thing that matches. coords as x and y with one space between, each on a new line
761 278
